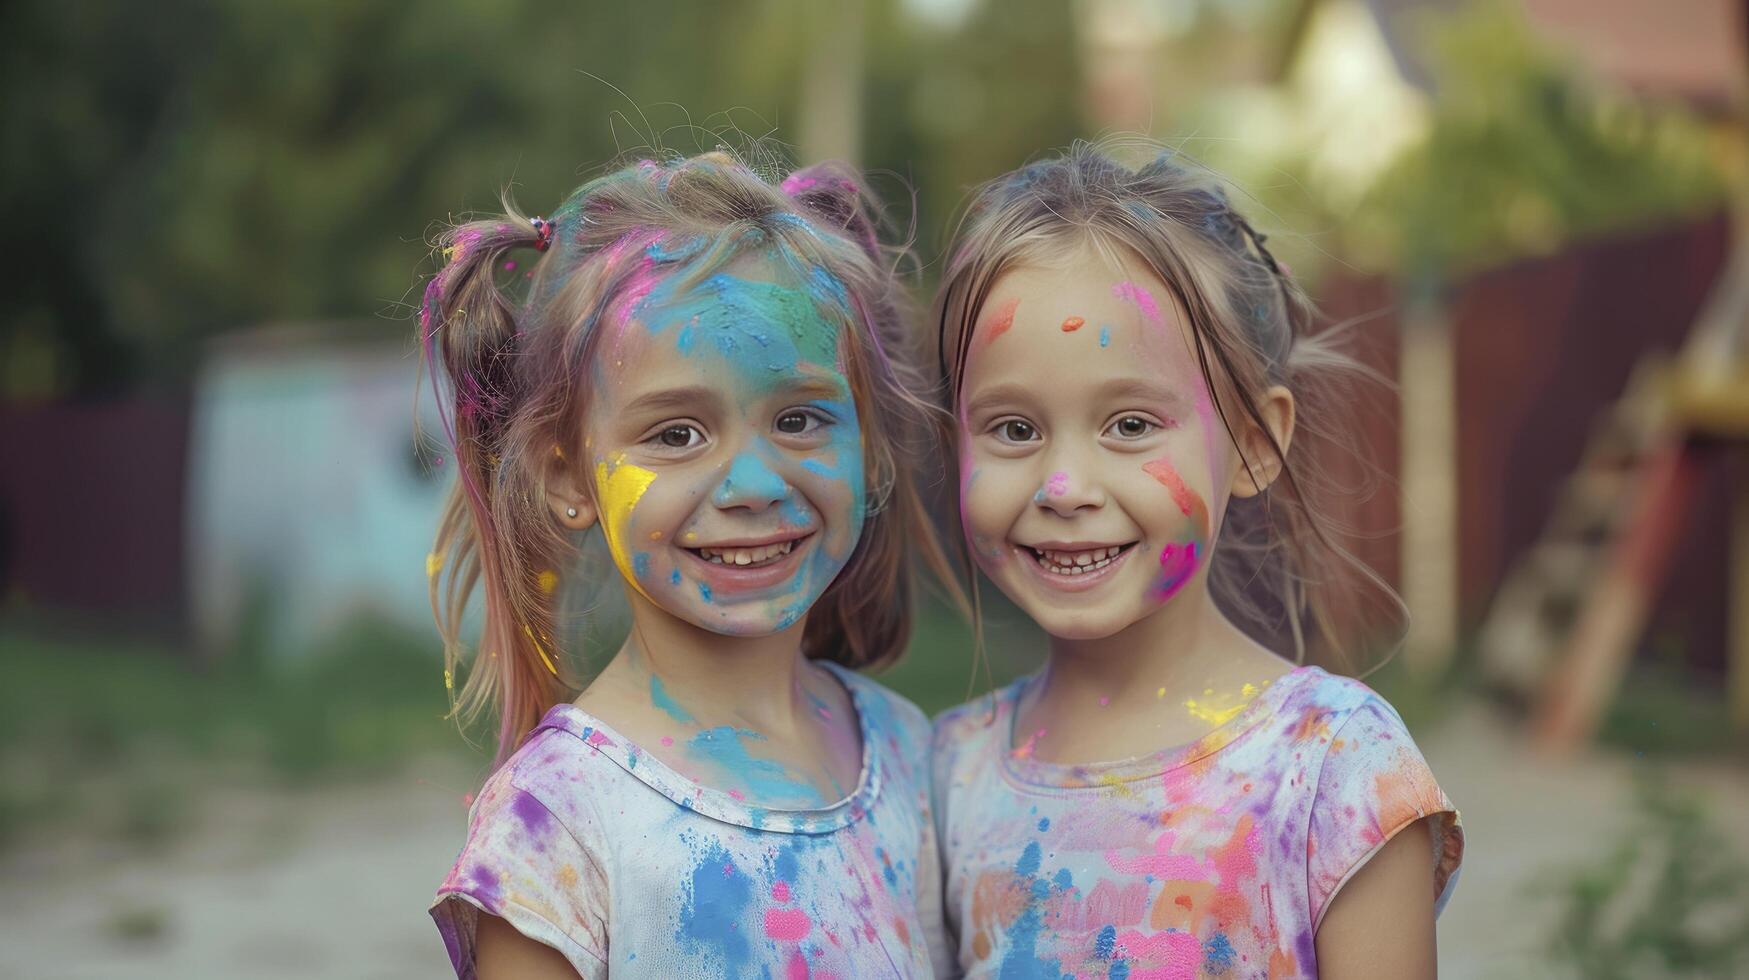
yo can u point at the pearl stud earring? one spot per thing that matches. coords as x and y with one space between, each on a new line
570 512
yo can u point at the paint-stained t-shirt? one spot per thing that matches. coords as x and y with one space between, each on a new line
1214 859
589 845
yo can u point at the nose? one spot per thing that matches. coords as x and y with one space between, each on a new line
1064 493
750 483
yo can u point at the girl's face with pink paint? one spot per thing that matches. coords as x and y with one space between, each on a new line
1091 458
725 449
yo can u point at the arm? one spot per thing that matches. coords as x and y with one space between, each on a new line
1380 924
502 953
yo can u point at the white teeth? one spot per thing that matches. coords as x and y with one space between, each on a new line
747 556
1073 563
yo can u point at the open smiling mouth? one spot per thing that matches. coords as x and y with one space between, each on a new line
1070 564
749 556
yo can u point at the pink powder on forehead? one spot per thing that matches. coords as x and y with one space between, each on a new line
1144 300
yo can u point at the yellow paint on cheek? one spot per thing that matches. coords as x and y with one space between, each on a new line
621 485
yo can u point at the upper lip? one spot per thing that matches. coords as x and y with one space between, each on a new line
777 538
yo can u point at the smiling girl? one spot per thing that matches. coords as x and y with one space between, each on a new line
1169 797
705 367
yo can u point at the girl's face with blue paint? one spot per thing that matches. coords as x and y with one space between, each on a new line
1091 458
724 443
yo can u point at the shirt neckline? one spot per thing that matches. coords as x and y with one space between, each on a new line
719 804
1031 773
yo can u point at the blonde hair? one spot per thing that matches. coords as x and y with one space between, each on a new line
1252 327
517 373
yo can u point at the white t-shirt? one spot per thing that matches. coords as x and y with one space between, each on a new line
587 843
1212 859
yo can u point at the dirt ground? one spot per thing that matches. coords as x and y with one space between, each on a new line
336 883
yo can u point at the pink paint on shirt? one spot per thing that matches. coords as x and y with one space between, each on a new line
780 891
789 925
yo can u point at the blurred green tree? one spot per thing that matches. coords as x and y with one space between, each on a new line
1524 154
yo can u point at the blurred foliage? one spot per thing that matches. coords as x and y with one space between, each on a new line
1524 154
1665 709
1670 900
178 169
173 170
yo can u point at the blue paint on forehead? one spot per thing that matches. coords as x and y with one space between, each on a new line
766 332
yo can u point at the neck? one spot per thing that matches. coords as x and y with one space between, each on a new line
715 678
1184 648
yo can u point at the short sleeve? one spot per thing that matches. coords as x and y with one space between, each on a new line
523 864
930 909
1373 784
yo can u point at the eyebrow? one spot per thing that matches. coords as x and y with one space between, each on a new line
825 389
1141 388
673 398
996 395
1121 388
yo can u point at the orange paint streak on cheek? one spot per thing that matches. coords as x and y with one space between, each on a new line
1188 502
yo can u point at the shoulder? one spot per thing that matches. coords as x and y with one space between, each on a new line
969 730
888 712
563 770
1330 698
968 721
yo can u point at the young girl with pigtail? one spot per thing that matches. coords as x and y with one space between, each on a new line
1128 367
712 370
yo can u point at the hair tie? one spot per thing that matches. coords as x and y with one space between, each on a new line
543 233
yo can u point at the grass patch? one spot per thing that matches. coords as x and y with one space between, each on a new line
124 731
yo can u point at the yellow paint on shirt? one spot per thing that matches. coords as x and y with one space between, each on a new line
1220 709
548 581
433 564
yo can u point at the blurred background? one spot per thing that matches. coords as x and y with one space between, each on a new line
223 749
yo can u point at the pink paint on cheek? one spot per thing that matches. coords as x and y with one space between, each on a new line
1177 564
667 741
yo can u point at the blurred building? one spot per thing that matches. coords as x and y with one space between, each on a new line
308 501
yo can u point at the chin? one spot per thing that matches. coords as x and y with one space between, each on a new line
1077 624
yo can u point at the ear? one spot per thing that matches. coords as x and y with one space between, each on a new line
572 503
1277 409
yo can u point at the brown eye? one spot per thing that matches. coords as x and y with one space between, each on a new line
1014 430
677 436
794 423
1133 427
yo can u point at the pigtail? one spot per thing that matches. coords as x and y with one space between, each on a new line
472 341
